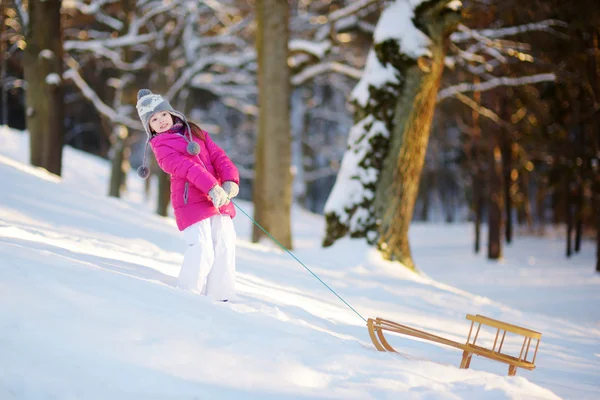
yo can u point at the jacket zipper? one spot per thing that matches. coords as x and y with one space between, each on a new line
185 190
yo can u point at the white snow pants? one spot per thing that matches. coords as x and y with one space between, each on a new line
209 261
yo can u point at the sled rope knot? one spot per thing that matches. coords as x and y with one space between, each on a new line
300 262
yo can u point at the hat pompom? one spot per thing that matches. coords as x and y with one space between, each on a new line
143 92
193 148
143 172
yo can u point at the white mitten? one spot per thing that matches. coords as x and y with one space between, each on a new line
218 196
231 188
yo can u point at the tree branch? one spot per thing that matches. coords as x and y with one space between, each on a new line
95 47
466 34
486 112
89 94
493 83
95 9
234 61
23 15
349 10
324 67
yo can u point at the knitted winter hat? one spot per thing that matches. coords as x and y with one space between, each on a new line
147 105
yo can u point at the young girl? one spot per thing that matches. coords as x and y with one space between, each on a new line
203 180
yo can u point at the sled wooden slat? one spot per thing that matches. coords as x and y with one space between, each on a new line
377 326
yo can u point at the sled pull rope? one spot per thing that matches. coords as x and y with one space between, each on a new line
296 258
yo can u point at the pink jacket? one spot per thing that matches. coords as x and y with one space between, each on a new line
192 177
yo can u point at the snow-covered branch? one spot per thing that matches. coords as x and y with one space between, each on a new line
493 83
221 11
90 8
317 49
136 24
231 61
95 8
353 8
220 40
102 108
324 67
22 14
93 46
121 41
466 34
345 18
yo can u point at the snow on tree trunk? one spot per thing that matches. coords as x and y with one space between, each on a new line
273 182
376 188
42 65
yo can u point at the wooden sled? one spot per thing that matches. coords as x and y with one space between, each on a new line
377 326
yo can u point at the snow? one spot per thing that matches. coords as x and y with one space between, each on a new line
349 188
455 5
395 23
88 308
375 75
317 49
53 79
46 54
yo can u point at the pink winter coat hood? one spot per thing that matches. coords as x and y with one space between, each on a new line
193 176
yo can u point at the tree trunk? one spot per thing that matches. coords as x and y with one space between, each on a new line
507 162
569 215
478 207
425 189
540 210
3 65
164 194
120 146
597 212
162 84
377 185
272 191
42 67
477 180
582 176
595 139
399 180
496 201
526 190
119 160
579 218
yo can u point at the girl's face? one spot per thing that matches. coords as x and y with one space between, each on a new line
161 122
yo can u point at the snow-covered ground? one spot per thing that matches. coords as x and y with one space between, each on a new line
88 309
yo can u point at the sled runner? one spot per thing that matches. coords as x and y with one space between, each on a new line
377 326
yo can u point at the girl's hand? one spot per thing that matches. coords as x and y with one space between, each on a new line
231 188
218 196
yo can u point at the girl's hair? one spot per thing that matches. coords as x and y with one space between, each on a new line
196 131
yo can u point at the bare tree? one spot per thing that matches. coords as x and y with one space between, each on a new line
43 66
272 183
